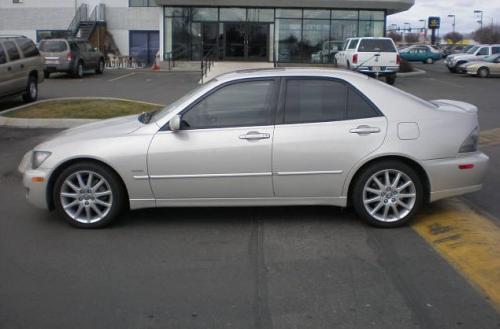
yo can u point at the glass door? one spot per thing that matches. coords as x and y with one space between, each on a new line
234 41
246 41
258 42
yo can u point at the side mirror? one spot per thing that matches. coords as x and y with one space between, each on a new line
175 123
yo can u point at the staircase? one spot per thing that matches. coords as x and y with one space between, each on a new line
83 26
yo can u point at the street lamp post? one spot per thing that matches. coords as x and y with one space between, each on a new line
424 27
454 17
480 21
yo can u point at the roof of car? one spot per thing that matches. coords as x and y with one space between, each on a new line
289 71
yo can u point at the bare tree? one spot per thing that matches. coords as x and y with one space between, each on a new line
488 34
411 37
454 37
395 36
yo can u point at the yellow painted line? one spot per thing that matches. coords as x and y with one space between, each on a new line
490 137
467 240
122 76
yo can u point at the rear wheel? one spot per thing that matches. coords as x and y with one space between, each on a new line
88 195
79 70
387 194
483 72
31 93
390 79
429 61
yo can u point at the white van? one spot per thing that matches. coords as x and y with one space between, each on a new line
376 57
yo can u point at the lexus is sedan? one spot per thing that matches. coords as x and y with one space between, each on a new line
265 138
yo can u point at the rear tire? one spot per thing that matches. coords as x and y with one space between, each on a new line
483 72
100 67
89 195
31 93
429 61
390 79
78 71
46 74
385 201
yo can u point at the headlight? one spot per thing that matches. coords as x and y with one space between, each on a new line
38 158
470 143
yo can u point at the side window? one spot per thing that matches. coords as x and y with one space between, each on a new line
237 105
483 51
3 57
73 46
358 107
27 47
310 100
12 51
495 50
353 44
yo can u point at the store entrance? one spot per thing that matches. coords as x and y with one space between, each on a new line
246 41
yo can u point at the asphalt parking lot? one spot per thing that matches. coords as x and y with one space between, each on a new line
284 267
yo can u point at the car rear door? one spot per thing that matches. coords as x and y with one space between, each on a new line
223 150
324 128
5 73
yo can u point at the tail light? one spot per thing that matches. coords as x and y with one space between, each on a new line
355 59
470 143
70 56
398 59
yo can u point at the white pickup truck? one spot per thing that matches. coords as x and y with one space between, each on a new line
376 57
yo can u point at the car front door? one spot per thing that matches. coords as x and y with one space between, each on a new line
324 127
15 68
5 76
223 149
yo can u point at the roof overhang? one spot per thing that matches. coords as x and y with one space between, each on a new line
391 6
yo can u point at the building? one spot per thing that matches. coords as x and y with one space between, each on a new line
243 30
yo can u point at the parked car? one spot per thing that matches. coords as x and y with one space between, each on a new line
327 52
422 53
71 56
265 137
375 57
21 67
489 66
454 62
455 49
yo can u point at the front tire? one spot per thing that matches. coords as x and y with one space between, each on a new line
387 194
31 93
88 195
100 67
429 61
483 72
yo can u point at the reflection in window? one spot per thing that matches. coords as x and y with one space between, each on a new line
233 14
289 13
289 38
371 28
344 14
316 33
205 14
260 15
371 15
343 29
316 13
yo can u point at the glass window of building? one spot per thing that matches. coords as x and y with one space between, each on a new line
233 14
371 28
205 14
371 15
315 40
343 29
345 14
176 11
289 39
317 13
289 13
260 15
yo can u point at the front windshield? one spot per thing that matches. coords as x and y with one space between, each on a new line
472 50
173 106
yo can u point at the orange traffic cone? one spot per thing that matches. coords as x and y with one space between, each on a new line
156 65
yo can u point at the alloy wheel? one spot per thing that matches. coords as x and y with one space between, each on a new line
389 195
86 196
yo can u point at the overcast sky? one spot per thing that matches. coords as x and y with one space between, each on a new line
466 20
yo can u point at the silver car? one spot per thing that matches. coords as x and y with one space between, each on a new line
266 138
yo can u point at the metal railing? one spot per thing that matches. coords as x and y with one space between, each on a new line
170 56
80 15
208 61
98 14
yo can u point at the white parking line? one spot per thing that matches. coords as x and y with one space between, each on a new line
122 76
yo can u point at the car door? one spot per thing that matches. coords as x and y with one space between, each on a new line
324 128
5 73
15 67
223 149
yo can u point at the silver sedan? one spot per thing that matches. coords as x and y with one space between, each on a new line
266 138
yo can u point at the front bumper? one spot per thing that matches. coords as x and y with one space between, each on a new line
447 179
36 188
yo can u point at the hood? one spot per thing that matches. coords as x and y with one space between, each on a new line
96 130
465 57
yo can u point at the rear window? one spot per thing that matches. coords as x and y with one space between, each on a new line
376 45
27 47
11 48
50 46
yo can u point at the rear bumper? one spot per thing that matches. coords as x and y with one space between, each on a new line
381 73
447 179
64 67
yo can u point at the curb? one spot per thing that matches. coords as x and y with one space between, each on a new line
55 123
411 74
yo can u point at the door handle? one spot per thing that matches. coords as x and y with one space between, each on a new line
255 135
364 130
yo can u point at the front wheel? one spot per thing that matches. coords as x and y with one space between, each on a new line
387 194
429 61
483 72
100 67
79 71
88 195
31 93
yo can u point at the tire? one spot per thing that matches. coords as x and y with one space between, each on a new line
483 72
100 67
31 93
390 79
46 74
95 205
78 71
375 212
429 61
452 69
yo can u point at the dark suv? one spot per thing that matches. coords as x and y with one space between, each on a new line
72 56
21 67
